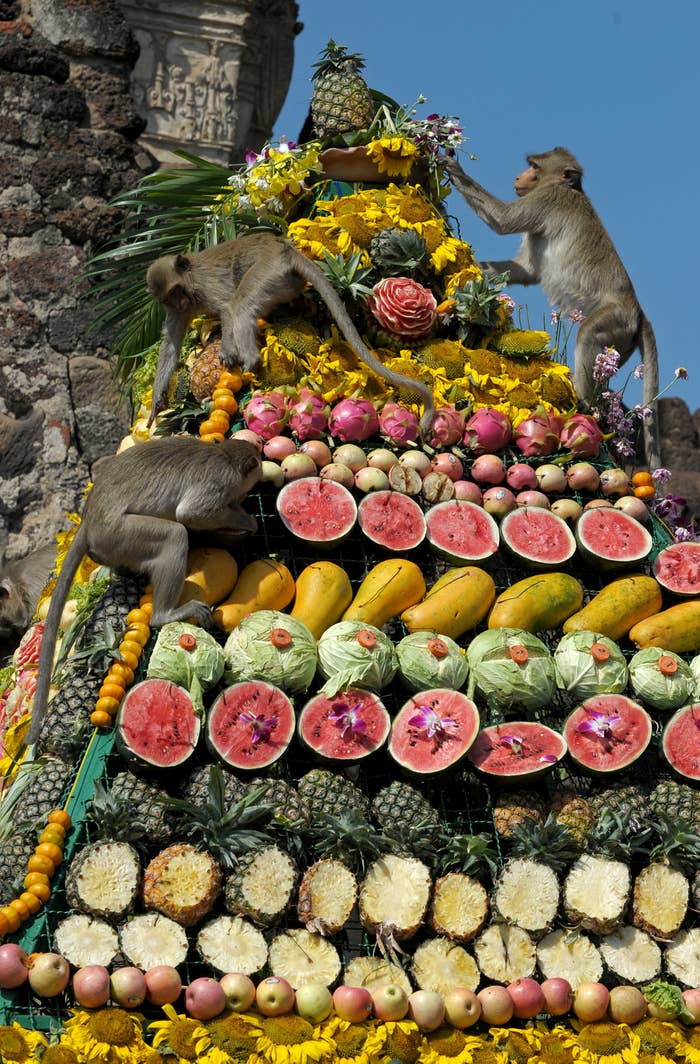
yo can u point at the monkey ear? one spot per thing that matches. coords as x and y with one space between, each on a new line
250 464
182 264
4 589
572 178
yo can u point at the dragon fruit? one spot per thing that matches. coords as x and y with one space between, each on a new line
266 414
398 424
308 416
487 431
537 434
581 436
353 419
447 427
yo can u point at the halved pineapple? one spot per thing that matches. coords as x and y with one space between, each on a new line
460 906
84 939
440 965
262 885
103 879
149 939
232 944
631 954
182 882
527 894
302 956
394 896
570 955
596 891
660 900
682 957
327 896
372 972
505 953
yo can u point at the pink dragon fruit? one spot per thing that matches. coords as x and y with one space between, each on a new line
398 424
353 420
308 416
447 427
487 431
538 434
581 436
266 414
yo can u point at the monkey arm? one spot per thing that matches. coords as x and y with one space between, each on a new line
514 216
174 330
518 272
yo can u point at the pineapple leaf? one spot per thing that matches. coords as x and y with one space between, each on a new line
619 835
477 303
678 842
469 854
551 842
346 275
348 837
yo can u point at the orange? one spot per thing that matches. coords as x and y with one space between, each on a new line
31 900
112 690
230 379
41 890
50 850
21 908
643 477
123 671
130 646
60 816
100 719
138 633
11 917
227 403
220 416
645 491
53 833
128 657
209 425
138 616
211 437
36 879
38 862
221 393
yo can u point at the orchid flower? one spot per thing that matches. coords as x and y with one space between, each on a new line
262 727
599 724
348 719
427 720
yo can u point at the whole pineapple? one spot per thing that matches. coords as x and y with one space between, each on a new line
205 369
511 808
341 101
331 793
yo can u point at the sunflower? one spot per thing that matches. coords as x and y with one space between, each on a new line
550 1045
485 1053
359 228
180 1034
233 1038
604 1043
314 236
409 204
60 1053
290 1039
688 1047
110 1035
278 365
402 1039
16 1044
394 156
447 1045
462 276
355 1043
517 1043
656 1036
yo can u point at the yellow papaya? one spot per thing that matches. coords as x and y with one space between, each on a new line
211 575
618 607
537 603
265 584
389 587
323 593
676 629
456 602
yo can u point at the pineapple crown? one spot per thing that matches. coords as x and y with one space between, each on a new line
477 302
349 837
346 275
619 835
422 838
470 854
113 816
550 843
678 842
336 57
399 252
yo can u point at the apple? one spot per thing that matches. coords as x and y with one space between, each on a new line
205 998
691 1000
427 1009
163 984
527 997
91 986
591 1001
48 974
462 1007
239 990
314 1001
274 996
390 1002
558 996
352 1003
496 1005
14 966
127 987
627 1004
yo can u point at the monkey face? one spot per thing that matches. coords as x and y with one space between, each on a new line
526 181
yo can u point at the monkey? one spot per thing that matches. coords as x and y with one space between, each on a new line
567 249
136 516
21 584
241 280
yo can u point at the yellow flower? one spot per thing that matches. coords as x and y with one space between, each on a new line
461 278
233 1038
402 1039
180 1034
604 1043
518 1044
447 1045
19 1045
446 253
393 155
278 365
687 1047
108 1036
313 236
59 1053
521 342
355 1043
290 1039
550 1045
409 205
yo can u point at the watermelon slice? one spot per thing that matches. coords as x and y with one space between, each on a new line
462 532
433 730
610 539
677 568
537 537
517 750
250 725
681 741
607 733
392 520
346 727
317 511
157 725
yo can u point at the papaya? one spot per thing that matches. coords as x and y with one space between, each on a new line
211 575
676 629
618 607
537 603
323 593
456 602
389 587
264 584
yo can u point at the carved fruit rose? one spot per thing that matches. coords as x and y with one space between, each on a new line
403 306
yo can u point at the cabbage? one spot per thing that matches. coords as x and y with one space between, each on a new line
271 646
505 675
187 655
424 663
583 672
354 654
661 678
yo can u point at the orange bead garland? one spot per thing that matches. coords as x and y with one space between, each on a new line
224 406
48 854
121 672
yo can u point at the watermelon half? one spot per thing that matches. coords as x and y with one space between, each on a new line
317 511
392 520
433 730
680 742
677 568
250 725
346 726
537 537
607 733
462 532
517 750
610 539
157 725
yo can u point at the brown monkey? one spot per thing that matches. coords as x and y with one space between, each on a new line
567 249
21 584
136 517
240 281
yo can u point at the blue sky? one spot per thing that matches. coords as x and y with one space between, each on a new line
616 83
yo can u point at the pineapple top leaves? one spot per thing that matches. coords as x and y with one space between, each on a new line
349 837
678 843
551 843
336 57
477 303
471 854
346 275
619 835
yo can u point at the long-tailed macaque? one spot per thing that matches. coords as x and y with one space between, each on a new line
136 517
240 281
21 584
567 249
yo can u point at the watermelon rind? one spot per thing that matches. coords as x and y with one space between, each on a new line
157 727
317 511
680 742
537 537
677 568
516 751
250 725
462 532
345 727
602 745
609 538
391 520
433 731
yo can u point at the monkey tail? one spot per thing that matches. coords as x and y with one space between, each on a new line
48 643
315 276
650 390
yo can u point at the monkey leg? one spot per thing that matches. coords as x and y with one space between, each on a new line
606 327
159 548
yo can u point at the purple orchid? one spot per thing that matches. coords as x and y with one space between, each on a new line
428 720
514 743
599 724
262 727
348 719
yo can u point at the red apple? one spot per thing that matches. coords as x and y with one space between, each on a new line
314 1002
127 987
390 1002
558 996
48 974
91 986
239 990
163 984
426 1008
274 996
627 1004
14 966
591 1001
352 1003
462 1007
527 997
691 1000
496 1005
205 998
